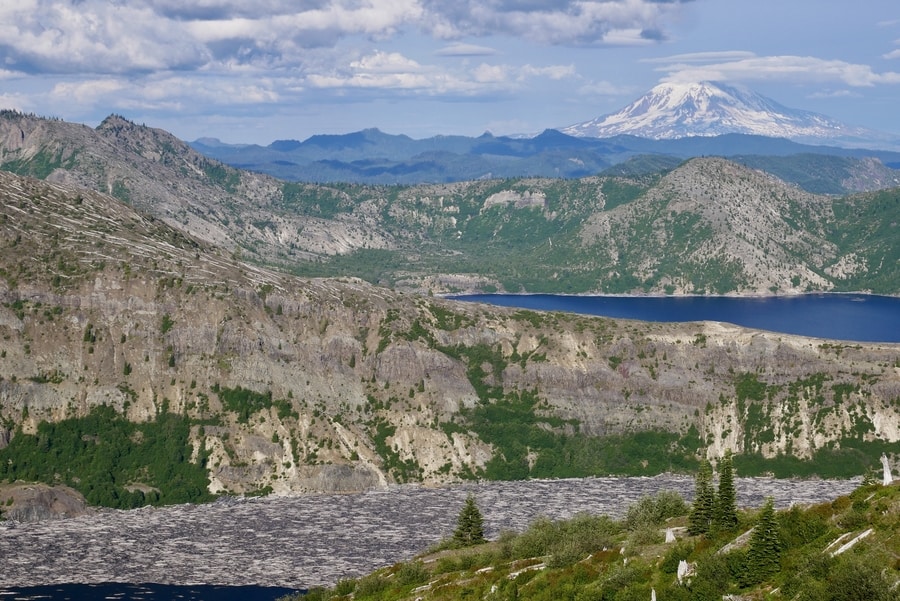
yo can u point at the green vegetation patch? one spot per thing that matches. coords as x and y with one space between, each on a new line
42 164
220 175
852 458
113 462
530 445
245 402
403 470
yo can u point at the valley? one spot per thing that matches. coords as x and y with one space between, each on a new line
119 328
225 364
707 226
273 363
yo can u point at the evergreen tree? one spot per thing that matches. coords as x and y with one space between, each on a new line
764 552
469 525
701 513
725 517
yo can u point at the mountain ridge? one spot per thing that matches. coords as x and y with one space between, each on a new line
113 309
704 109
397 159
438 237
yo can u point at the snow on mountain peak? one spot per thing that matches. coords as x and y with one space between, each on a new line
678 110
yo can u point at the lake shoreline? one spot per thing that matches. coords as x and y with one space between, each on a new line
830 316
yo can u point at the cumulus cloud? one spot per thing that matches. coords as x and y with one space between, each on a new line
179 55
799 69
835 94
394 71
98 36
89 91
16 102
390 70
42 36
569 22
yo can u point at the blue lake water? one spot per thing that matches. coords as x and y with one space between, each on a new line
848 317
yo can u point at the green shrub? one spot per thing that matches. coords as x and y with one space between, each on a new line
371 586
565 542
852 578
681 551
411 573
655 510
799 527
344 587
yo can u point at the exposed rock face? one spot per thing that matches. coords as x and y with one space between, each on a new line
37 502
100 305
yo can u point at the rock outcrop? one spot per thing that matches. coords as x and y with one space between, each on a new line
355 386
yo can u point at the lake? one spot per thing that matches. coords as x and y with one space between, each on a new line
849 317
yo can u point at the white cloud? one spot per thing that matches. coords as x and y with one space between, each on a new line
627 37
99 36
552 72
796 69
702 57
390 70
892 54
490 74
466 50
568 22
41 36
835 94
16 102
394 71
87 92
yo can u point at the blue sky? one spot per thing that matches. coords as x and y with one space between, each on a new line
264 70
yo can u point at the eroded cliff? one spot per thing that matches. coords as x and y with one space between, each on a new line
331 385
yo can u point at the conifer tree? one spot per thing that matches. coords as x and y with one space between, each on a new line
725 517
469 525
701 513
764 552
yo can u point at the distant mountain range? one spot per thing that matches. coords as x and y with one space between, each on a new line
670 123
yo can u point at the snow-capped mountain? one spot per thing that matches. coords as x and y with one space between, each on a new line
679 110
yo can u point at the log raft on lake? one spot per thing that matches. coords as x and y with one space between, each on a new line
309 540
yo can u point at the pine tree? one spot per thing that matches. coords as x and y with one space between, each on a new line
725 517
469 525
764 553
701 513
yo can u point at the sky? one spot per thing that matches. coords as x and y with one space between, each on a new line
262 70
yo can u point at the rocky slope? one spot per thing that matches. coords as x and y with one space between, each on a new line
155 172
355 386
706 226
